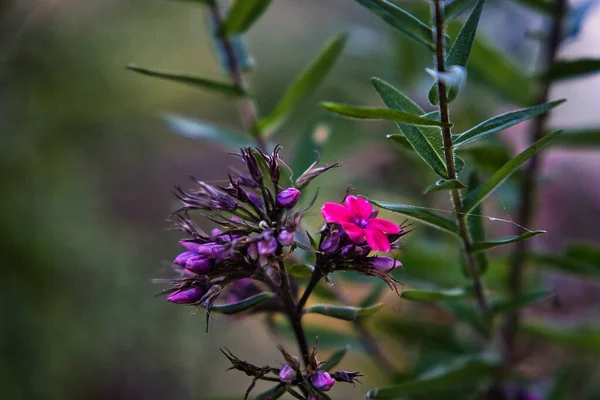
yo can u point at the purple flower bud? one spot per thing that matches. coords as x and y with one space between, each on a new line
286 238
188 296
288 198
252 165
183 257
253 252
322 381
191 246
331 243
287 374
374 214
312 396
268 245
352 251
255 200
384 264
199 264
215 232
212 250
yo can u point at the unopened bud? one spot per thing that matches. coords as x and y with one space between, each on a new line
286 238
267 246
322 381
199 265
188 296
384 264
287 374
288 198
331 242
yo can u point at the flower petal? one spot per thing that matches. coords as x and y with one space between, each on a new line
383 225
359 206
337 213
377 239
355 233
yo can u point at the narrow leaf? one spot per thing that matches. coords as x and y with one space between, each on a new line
306 82
566 264
401 141
527 299
444 184
479 246
582 338
244 305
569 69
374 294
429 334
420 214
543 6
437 295
343 312
199 130
242 15
587 252
476 229
460 51
301 270
334 360
503 121
402 20
273 393
579 139
427 142
461 371
479 194
380 113
454 8
204 83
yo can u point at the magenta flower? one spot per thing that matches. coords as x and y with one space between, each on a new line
356 219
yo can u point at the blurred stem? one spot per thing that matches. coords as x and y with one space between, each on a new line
314 280
461 218
527 194
247 106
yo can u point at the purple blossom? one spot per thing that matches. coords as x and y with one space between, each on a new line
288 198
188 296
383 264
331 243
268 245
199 264
183 257
322 381
287 374
353 251
286 238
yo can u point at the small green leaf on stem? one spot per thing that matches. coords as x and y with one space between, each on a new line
380 113
478 195
569 69
456 7
480 246
524 300
203 83
402 20
582 338
437 295
304 84
343 312
420 214
567 264
301 270
444 184
374 294
501 122
194 129
242 15
334 360
579 139
244 305
401 141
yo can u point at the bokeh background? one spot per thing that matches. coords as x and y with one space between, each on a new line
87 168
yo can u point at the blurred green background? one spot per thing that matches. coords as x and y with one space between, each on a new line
87 169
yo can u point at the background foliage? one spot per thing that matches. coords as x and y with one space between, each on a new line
88 164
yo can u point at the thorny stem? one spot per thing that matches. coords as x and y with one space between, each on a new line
528 189
248 108
461 217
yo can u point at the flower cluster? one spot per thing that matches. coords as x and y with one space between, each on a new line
257 225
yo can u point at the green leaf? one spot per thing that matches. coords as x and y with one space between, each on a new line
501 122
221 87
244 305
581 138
459 52
543 6
420 214
479 246
401 140
428 334
273 393
566 264
343 312
476 228
467 313
487 156
461 371
437 295
374 294
334 360
454 8
427 142
402 20
301 270
582 338
309 146
527 299
479 194
444 184
242 15
194 129
569 69
380 113
587 252
304 84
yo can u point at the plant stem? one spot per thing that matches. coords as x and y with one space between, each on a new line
314 280
292 313
461 217
528 189
248 107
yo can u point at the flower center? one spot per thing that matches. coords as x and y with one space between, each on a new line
360 222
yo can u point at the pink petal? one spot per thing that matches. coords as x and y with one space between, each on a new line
336 213
383 225
354 232
359 206
377 240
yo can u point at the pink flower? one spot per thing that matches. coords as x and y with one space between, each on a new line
356 219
